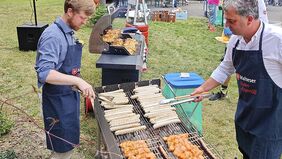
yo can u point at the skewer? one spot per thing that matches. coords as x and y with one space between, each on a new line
206 148
164 154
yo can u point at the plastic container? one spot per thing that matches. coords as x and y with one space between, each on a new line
183 84
181 15
146 34
142 28
219 16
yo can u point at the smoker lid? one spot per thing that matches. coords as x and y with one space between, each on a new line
96 44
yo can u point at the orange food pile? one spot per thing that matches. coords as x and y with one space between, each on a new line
111 35
136 150
182 148
130 45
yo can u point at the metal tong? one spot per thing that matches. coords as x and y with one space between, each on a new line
184 99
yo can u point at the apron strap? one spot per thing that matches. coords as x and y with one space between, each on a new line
261 35
59 26
236 44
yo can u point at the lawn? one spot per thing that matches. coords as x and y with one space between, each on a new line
183 46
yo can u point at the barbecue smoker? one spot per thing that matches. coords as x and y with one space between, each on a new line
117 63
153 137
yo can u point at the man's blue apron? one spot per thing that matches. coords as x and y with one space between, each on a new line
258 118
61 104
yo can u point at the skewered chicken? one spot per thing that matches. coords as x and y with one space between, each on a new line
117 42
182 148
130 45
136 150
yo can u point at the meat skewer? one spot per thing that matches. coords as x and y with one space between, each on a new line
164 154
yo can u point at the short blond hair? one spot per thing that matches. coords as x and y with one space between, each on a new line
87 6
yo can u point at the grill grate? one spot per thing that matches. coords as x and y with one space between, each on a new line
143 134
154 137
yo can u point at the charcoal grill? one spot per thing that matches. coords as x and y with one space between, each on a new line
153 137
116 61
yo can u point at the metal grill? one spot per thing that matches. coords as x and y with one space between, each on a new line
97 45
154 137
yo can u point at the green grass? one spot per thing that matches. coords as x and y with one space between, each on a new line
183 46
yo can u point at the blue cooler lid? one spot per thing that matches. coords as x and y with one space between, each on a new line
189 80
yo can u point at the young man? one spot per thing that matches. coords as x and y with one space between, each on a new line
58 70
223 89
254 53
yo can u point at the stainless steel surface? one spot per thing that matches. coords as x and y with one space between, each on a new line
153 137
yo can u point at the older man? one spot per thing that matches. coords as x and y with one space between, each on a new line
254 53
221 94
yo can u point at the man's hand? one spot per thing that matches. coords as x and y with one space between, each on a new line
205 87
86 89
198 92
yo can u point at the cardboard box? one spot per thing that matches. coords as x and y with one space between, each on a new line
182 15
171 17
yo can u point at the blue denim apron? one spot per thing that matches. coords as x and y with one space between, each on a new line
61 104
258 119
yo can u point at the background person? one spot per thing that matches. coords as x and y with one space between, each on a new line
212 8
58 69
175 3
254 53
116 3
224 87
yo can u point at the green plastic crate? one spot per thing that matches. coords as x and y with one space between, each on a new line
193 111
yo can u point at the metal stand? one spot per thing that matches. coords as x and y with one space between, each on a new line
98 152
139 10
34 9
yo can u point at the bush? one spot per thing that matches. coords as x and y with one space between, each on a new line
100 11
9 154
5 124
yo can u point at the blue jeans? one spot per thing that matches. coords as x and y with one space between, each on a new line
175 3
212 13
